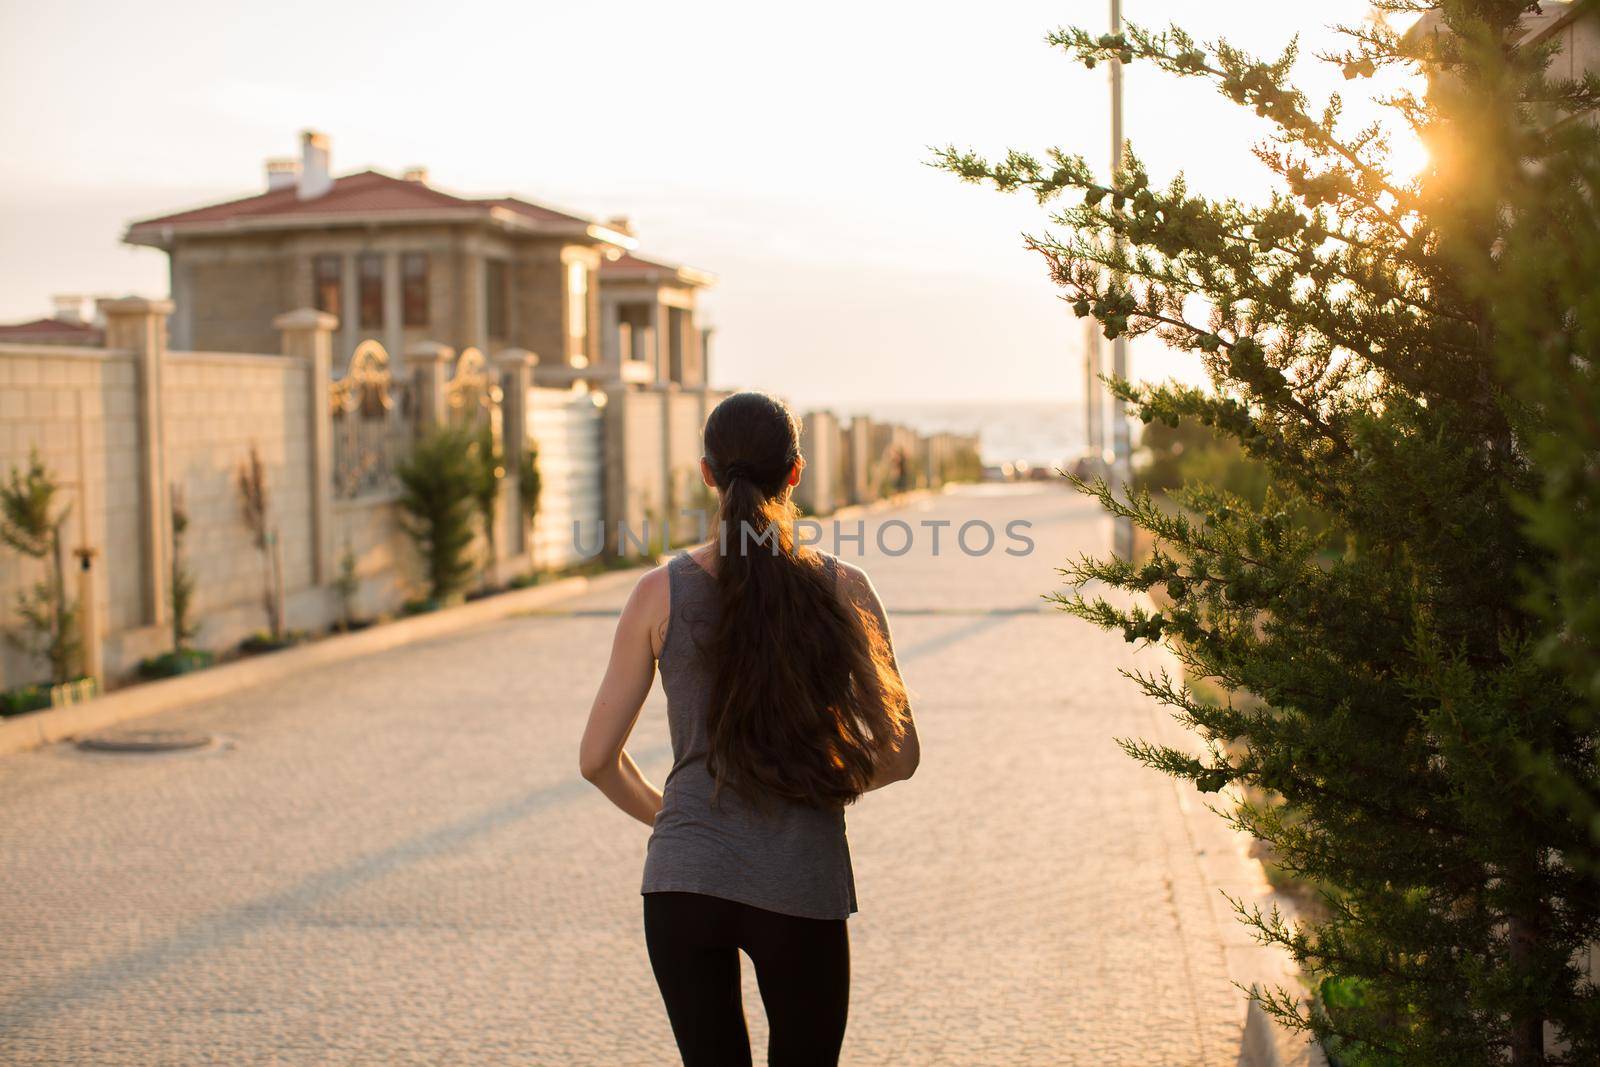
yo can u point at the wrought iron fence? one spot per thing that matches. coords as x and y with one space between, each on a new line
473 396
373 417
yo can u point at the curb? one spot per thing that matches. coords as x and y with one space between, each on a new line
24 732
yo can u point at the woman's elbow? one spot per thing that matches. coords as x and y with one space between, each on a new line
906 758
593 766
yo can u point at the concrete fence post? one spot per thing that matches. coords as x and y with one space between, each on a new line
858 460
308 334
817 493
431 362
515 367
666 505
617 498
140 326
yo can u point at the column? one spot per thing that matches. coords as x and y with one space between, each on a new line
694 373
429 363
660 349
349 306
649 351
140 326
515 368
307 334
393 328
611 334
474 298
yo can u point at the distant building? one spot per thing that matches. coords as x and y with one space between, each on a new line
400 261
66 326
1575 28
647 315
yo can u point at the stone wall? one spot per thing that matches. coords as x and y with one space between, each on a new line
128 428
75 407
653 448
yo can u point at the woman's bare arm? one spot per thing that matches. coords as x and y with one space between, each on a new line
903 763
627 681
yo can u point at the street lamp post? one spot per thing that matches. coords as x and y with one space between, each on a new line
1121 468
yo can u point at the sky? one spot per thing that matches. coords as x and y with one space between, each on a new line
782 147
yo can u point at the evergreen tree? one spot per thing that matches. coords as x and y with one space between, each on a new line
436 499
1543 293
1405 651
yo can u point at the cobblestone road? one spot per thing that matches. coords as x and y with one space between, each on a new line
395 861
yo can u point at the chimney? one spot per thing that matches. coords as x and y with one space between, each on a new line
416 174
315 177
68 307
282 173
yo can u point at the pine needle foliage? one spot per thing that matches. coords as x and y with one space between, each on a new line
1421 655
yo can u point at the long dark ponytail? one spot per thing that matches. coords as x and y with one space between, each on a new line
806 702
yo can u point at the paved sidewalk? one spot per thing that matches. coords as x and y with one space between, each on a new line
395 861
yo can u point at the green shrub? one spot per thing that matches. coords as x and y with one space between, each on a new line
182 592
265 641
437 504
530 485
31 524
24 699
347 585
178 661
487 468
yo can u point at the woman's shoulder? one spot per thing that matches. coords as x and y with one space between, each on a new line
652 592
853 581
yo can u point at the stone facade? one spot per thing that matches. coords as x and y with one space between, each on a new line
400 262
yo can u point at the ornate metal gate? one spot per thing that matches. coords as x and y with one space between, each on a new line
371 432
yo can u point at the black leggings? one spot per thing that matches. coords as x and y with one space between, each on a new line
802 967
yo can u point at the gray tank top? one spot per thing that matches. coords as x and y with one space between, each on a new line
784 857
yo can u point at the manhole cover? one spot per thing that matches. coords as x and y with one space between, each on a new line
145 741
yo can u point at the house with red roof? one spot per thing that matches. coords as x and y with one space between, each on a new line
51 331
649 327
66 325
401 261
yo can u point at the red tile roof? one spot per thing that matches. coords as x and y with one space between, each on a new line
51 331
532 211
629 264
363 193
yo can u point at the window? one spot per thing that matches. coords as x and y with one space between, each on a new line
327 279
496 298
577 300
636 317
369 287
414 289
